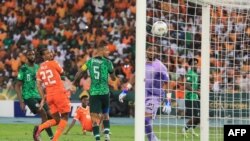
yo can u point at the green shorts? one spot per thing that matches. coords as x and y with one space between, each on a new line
99 103
33 104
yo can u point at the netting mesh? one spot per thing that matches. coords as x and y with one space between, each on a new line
229 66
229 100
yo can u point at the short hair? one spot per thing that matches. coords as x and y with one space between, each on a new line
28 50
191 61
101 45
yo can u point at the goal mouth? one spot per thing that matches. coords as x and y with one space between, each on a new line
239 4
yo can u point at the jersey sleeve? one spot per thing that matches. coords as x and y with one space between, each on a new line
110 67
20 75
58 67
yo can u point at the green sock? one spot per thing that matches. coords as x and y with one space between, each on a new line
49 132
106 125
96 133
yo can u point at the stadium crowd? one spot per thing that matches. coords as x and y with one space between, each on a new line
72 28
229 48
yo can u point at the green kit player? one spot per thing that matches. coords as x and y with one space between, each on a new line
192 101
26 89
99 69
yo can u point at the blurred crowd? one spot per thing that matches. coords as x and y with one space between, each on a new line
71 29
229 48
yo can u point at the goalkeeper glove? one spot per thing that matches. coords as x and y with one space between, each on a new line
124 92
167 106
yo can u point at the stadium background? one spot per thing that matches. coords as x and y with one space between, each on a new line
72 28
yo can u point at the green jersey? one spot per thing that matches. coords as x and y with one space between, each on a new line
99 69
27 75
192 78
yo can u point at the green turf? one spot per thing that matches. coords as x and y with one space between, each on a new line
23 132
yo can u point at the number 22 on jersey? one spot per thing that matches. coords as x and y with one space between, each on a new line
47 77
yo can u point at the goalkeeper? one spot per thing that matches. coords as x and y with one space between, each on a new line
156 83
192 101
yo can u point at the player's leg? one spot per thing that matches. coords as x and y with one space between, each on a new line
95 113
63 107
33 104
49 123
61 126
152 106
105 116
189 114
46 114
196 116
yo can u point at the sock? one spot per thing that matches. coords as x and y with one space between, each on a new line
49 132
96 133
187 127
106 125
47 124
149 130
62 124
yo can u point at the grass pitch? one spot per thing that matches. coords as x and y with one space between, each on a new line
23 132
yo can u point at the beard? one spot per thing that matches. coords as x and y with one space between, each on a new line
31 61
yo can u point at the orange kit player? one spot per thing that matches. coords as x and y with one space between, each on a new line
82 114
49 77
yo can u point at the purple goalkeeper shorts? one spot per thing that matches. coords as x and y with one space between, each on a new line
152 104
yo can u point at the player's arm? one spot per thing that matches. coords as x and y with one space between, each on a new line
127 88
112 76
79 74
58 68
70 126
111 71
41 92
167 96
18 89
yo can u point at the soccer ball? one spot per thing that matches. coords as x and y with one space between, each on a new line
159 28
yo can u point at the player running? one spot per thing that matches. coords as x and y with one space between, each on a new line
27 92
192 101
156 84
49 76
99 69
82 114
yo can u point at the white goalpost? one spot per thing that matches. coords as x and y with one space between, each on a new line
140 69
217 34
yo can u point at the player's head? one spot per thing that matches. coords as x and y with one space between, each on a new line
30 54
84 97
192 62
151 53
46 54
101 49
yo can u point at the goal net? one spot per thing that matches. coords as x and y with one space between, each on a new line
215 35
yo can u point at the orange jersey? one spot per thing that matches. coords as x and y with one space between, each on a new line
83 116
49 74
